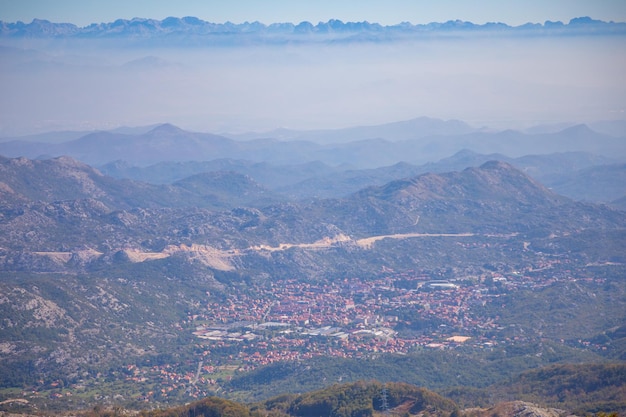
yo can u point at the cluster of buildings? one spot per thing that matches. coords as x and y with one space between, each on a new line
396 313
294 320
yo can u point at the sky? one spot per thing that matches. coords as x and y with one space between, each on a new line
387 12
500 82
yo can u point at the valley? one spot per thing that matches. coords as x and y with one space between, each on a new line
162 305
243 216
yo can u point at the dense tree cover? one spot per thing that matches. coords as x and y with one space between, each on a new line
587 389
353 400
583 388
435 369
359 399
207 407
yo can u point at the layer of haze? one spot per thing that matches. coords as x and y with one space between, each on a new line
499 82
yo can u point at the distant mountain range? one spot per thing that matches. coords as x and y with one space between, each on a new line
419 127
187 28
417 141
577 175
576 161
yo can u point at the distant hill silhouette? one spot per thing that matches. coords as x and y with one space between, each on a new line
173 29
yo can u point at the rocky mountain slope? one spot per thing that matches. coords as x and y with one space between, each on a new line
495 198
65 179
93 283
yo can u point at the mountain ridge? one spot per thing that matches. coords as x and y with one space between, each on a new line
494 198
386 147
64 179
418 127
187 26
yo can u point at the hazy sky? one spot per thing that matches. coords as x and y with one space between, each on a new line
512 12
493 81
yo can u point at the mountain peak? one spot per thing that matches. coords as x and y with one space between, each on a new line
166 128
192 26
580 129
497 165
69 161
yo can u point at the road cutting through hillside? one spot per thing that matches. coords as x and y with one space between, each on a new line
364 243
367 243
221 259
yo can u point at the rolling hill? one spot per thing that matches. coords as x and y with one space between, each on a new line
64 179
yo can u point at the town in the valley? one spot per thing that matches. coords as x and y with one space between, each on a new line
294 320
398 312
